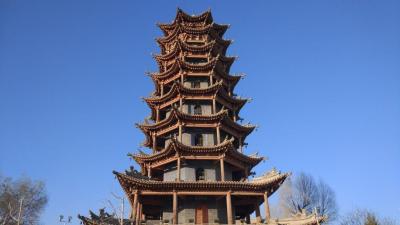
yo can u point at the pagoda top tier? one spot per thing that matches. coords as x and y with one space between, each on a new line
183 18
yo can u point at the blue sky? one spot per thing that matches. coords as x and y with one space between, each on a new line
324 76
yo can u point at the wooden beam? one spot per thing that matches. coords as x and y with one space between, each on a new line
229 208
201 193
155 193
210 193
247 193
201 157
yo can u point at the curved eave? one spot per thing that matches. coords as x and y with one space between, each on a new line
268 184
245 130
173 119
179 88
181 45
217 29
162 75
177 147
203 67
237 102
177 116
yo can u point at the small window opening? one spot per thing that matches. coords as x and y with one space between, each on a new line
195 84
197 109
200 174
193 60
198 140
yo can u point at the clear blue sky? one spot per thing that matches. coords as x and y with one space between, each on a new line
324 76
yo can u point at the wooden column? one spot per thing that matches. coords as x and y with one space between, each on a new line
138 214
234 115
221 163
162 89
218 135
174 208
214 105
258 215
154 143
134 206
180 132
157 115
229 208
179 168
246 173
149 171
211 79
180 103
240 144
266 206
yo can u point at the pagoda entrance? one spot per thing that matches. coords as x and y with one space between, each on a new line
201 214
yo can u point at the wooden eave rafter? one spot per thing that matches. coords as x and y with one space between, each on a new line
268 184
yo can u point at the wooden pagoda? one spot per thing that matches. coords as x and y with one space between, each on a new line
196 172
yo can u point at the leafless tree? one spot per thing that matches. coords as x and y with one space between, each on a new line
21 201
304 193
365 217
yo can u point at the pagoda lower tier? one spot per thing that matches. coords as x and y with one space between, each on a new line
153 199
